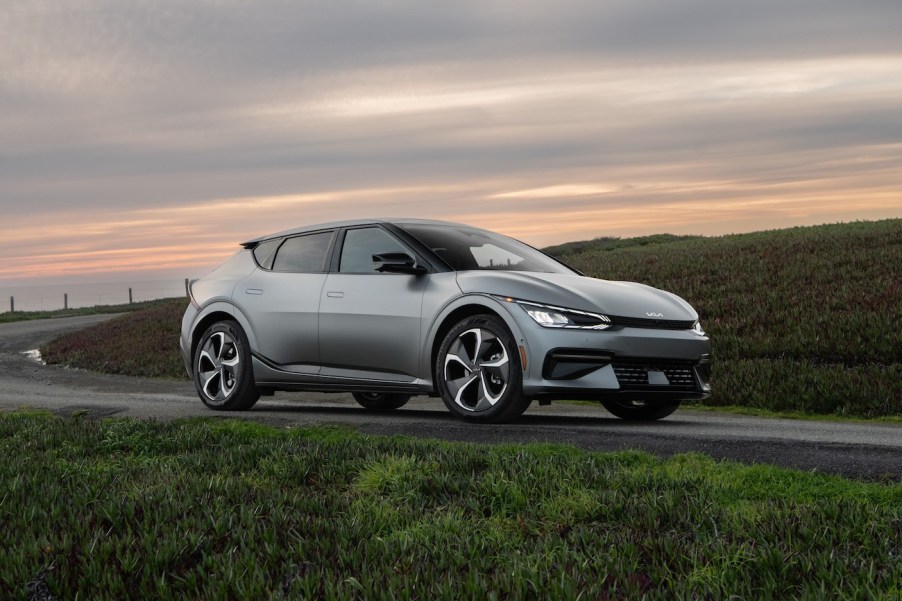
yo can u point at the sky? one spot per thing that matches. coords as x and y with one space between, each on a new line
148 138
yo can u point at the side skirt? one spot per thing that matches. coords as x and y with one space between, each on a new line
271 377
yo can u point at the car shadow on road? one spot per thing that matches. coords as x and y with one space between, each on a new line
357 415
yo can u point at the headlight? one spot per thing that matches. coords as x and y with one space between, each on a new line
548 316
697 329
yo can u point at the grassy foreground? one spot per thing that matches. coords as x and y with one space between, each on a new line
801 320
224 509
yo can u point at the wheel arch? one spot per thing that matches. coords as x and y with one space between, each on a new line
216 312
462 308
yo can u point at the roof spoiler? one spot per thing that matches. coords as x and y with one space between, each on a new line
251 245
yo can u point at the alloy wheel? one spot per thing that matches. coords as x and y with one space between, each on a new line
218 366
477 369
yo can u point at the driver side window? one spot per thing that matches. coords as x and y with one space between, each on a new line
361 244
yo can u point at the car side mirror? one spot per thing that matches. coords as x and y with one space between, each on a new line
397 263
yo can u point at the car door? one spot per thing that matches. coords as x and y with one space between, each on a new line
370 322
281 300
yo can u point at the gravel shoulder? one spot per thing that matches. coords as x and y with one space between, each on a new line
855 449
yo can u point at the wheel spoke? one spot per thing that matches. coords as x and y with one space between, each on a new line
206 361
214 346
486 345
461 352
227 382
214 381
484 399
449 358
459 386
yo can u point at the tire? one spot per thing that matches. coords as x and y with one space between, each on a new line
378 401
639 410
478 373
223 374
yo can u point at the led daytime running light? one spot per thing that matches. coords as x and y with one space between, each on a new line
549 316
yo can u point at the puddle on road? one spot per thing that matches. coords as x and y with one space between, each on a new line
35 355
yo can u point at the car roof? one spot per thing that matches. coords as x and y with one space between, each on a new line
348 223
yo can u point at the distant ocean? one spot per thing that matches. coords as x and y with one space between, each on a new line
51 297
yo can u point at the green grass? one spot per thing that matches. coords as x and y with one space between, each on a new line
223 509
9 317
758 412
801 320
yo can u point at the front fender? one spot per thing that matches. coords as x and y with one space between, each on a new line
469 304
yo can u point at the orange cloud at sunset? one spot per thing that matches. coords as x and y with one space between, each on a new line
169 240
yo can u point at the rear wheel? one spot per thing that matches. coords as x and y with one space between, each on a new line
223 374
378 401
640 410
478 371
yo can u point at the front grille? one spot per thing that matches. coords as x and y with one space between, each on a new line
634 374
657 324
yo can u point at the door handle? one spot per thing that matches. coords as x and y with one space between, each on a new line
253 291
335 294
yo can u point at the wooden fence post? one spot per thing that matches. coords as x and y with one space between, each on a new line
129 296
65 300
12 304
187 293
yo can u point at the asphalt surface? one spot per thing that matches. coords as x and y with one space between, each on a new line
857 450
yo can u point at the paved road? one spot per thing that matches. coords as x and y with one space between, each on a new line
868 451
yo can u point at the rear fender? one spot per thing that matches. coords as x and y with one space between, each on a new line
223 306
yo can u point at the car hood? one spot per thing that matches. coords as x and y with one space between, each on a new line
624 299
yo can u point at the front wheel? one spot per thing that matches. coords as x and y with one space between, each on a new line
223 374
478 371
378 401
640 410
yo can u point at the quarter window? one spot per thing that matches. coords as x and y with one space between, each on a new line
360 245
263 252
304 254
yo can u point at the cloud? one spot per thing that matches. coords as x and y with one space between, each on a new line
162 123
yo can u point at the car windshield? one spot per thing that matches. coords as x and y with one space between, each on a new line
466 249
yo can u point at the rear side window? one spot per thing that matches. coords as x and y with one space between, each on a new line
304 254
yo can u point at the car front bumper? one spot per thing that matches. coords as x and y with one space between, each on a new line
617 363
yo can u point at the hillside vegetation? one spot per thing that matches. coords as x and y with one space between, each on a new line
803 319
144 343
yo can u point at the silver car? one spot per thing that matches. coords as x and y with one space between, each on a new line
390 309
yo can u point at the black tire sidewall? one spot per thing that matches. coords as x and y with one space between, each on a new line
511 404
648 412
245 392
385 401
